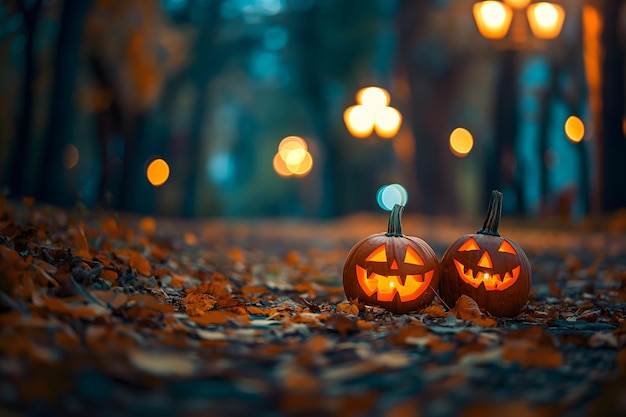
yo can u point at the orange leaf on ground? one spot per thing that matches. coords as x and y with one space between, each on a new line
147 225
292 258
250 290
139 263
108 275
466 308
214 317
56 305
434 310
80 242
113 299
236 254
255 310
528 355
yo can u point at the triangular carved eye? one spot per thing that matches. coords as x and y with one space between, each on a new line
412 257
485 261
507 247
470 244
378 255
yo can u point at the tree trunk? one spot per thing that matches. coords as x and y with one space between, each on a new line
312 86
206 66
503 171
52 185
544 130
432 92
611 135
19 169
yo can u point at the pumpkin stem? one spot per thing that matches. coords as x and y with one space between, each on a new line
494 212
395 225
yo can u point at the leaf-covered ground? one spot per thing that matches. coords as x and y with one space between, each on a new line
110 315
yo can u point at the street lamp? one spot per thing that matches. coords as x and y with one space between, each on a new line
495 18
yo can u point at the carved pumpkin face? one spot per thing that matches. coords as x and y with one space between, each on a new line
493 270
394 272
388 281
476 267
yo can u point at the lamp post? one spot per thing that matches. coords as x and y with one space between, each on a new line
514 25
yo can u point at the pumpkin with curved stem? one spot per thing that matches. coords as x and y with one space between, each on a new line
392 270
492 270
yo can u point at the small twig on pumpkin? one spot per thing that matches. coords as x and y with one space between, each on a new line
440 299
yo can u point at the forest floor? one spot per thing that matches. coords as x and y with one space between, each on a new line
104 314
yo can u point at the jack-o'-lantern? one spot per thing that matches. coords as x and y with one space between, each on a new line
491 269
392 270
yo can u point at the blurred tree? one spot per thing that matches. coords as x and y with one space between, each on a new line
565 83
333 46
604 67
30 11
126 57
52 187
210 56
434 73
612 140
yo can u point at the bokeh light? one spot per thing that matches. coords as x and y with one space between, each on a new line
292 157
545 19
359 120
158 172
303 167
372 113
280 166
492 18
373 97
387 122
70 156
546 14
291 143
574 129
461 142
390 195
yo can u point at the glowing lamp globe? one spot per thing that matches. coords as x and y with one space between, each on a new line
492 18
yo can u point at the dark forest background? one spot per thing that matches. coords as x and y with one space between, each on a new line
212 86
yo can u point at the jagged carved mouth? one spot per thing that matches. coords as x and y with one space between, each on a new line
491 281
388 285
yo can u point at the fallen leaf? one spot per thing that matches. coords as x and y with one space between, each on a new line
466 308
164 364
80 241
139 263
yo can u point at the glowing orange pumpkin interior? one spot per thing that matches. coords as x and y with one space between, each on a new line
481 274
388 285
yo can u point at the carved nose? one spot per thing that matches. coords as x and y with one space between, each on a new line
485 261
394 264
